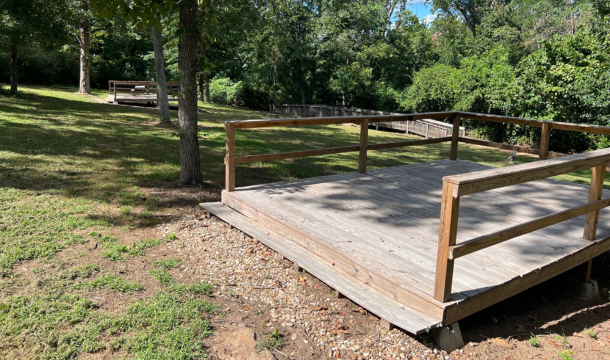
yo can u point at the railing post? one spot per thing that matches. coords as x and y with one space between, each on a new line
447 235
544 140
364 140
230 157
596 189
427 129
455 137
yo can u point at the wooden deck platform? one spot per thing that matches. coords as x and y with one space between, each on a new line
374 237
138 98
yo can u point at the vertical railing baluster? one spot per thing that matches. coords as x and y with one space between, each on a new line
230 157
596 189
364 140
455 137
447 235
544 140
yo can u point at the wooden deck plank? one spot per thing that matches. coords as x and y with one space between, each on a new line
419 245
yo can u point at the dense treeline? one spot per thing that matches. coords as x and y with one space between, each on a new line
540 59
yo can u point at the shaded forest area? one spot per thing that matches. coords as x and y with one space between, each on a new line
548 60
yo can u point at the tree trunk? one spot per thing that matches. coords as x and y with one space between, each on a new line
201 87
13 64
207 89
85 37
190 171
162 99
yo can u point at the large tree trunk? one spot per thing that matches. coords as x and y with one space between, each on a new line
85 38
13 65
162 99
190 171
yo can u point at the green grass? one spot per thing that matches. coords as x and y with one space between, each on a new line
82 271
65 326
168 264
111 282
71 166
163 276
201 288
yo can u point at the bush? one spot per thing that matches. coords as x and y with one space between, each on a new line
224 91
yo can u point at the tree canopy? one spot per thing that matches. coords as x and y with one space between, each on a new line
542 59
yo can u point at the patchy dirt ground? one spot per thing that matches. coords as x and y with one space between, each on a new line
260 290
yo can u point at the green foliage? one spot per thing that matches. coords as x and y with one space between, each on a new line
272 341
226 92
566 355
168 264
533 341
163 276
112 282
82 271
137 249
201 289
166 326
591 333
39 227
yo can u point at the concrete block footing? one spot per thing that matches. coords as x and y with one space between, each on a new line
588 290
448 338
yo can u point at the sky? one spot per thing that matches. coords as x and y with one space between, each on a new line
421 10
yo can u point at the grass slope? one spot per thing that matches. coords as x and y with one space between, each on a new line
76 205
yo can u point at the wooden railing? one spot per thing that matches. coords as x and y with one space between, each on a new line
425 127
455 187
140 88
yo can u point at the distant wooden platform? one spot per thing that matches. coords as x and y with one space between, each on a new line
374 236
139 91
138 98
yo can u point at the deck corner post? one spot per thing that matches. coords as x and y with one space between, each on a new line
596 189
544 140
230 157
455 137
447 235
364 139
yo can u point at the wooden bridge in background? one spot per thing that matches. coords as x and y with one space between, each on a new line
139 91
427 128
389 239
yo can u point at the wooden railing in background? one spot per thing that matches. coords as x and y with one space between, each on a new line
455 187
427 128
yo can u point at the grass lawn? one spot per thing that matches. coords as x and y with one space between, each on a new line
82 186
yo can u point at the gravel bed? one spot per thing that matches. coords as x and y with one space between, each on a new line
301 307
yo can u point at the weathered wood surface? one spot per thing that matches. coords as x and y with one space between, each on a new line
382 228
